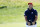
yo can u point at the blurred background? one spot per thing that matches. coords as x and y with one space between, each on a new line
12 12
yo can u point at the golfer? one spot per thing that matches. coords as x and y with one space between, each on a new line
30 16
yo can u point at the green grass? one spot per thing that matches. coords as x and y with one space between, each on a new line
13 15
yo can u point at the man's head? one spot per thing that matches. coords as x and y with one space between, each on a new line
30 5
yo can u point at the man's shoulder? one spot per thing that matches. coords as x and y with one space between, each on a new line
35 10
26 10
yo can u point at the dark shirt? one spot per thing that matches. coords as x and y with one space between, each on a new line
30 15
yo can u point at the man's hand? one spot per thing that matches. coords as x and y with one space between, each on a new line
33 23
28 23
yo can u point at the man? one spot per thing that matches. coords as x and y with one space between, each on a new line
30 16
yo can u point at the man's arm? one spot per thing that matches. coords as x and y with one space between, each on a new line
26 18
25 15
35 17
34 20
